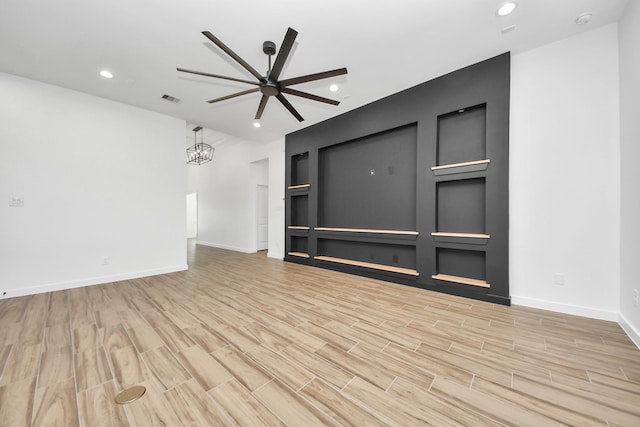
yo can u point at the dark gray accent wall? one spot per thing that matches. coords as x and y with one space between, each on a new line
372 169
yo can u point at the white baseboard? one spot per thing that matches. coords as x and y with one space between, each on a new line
59 286
632 332
230 248
565 308
276 255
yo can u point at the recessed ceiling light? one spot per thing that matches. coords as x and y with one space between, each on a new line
584 18
106 74
506 8
333 88
256 124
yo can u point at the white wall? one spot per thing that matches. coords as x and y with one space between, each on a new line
275 153
564 175
99 179
629 34
227 195
192 215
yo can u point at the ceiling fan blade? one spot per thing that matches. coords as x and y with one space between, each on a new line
289 107
263 103
211 101
200 73
312 77
283 53
309 96
234 55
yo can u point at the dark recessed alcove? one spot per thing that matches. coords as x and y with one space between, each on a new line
369 182
385 254
299 244
462 135
300 169
461 206
461 263
300 210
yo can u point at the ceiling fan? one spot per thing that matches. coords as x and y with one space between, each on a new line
269 85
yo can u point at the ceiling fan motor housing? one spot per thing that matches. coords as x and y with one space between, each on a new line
270 88
269 48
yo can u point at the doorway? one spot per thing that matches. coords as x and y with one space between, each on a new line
192 215
263 218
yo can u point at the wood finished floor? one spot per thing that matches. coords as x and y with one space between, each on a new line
247 340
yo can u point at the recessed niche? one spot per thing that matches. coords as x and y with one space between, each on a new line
300 169
462 135
299 244
370 182
375 253
461 263
300 210
461 205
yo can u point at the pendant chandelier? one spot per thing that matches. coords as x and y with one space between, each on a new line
199 152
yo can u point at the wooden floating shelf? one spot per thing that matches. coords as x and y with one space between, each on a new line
454 168
463 280
368 230
298 227
369 265
297 187
298 254
465 235
459 165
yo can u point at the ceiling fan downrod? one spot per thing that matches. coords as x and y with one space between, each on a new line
269 48
270 88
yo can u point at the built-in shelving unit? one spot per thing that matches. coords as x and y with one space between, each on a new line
297 200
461 197
412 188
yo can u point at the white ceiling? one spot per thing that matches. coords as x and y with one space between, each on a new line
386 45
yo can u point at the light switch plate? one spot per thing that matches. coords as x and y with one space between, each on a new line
16 202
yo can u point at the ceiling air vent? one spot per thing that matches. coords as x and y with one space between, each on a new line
170 98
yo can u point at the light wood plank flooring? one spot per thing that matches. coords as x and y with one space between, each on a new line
247 340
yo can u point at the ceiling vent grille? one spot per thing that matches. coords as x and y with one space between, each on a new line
170 98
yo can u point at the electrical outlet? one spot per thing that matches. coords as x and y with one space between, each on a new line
636 297
105 260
